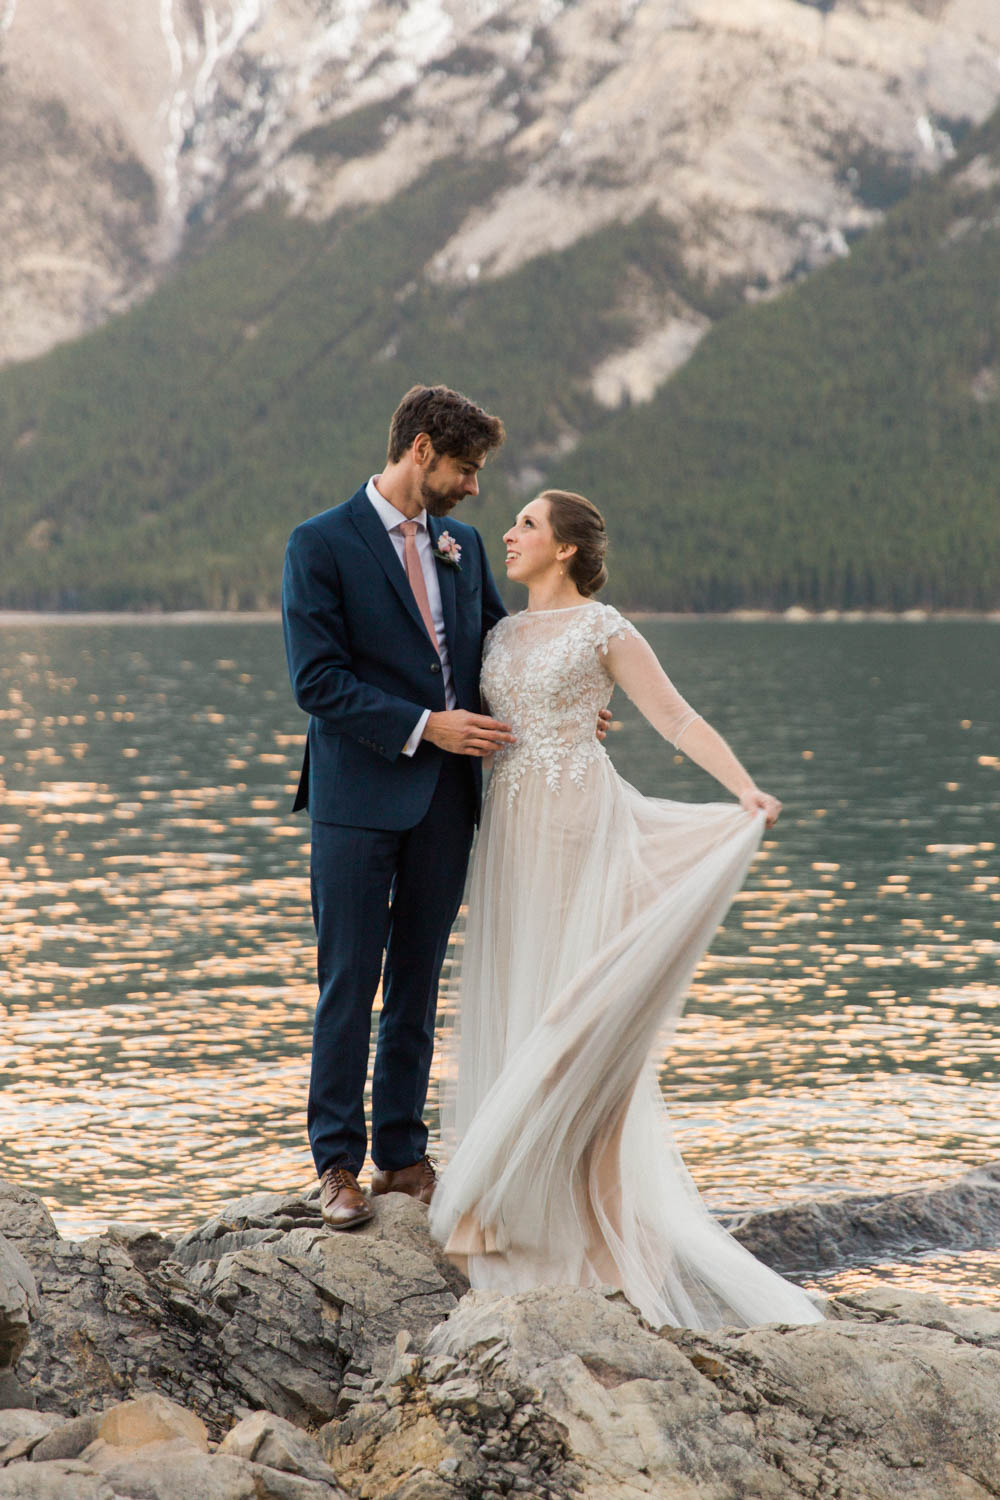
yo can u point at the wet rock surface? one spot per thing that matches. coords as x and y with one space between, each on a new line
263 1357
958 1215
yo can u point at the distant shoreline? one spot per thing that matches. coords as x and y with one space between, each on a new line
794 616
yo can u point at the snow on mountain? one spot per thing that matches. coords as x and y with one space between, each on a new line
767 132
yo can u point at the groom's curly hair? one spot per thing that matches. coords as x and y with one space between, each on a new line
455 425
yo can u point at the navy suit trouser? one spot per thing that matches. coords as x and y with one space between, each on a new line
375 893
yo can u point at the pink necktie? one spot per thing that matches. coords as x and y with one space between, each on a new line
415 574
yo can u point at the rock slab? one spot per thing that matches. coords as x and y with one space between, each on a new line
18 1302
261 1308
561 1392
263 1357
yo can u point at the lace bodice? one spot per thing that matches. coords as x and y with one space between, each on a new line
549 672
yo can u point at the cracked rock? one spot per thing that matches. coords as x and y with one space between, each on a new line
18 1302
896 1396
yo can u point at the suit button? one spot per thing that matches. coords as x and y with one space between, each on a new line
435 666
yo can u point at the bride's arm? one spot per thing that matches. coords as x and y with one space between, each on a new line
632 663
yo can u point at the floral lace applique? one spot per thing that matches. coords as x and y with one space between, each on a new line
543 674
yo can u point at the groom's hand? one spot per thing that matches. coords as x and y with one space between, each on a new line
462 733
603 720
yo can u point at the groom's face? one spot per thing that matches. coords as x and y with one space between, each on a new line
447 480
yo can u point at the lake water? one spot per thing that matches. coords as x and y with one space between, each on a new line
157 945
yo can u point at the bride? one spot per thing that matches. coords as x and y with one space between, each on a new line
589 909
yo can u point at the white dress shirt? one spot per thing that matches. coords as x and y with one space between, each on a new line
392 519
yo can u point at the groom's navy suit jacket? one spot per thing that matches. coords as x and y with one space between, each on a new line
364 669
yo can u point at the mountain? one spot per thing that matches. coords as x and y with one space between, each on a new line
836 446
826 439
767 133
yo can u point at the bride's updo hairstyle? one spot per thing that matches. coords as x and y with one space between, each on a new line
576 522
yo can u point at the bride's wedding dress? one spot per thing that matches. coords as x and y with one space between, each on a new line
589 907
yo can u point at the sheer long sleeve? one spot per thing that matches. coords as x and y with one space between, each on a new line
632 663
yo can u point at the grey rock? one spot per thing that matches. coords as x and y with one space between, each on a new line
460 1393
24 1422
106 1329
176 1470
145 1246
298 1316
270 1440
263 1218
278 1484
64 1480
18 1302
281 1322
554 1393
402 1219
23 1216
895 1396
260 1218
861 1227
12 1392
968 1322
68 1439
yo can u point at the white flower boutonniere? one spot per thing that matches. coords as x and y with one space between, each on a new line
448 551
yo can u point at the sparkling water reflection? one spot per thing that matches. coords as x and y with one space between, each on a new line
158 949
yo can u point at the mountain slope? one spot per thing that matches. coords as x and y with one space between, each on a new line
767 132
836 446
166 456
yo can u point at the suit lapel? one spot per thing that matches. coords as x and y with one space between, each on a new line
369 523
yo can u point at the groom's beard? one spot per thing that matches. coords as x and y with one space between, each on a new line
438 502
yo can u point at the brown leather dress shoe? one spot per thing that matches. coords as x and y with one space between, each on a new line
418 1181
342 1203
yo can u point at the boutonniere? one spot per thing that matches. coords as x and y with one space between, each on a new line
448 551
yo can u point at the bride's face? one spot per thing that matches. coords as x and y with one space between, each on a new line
532 550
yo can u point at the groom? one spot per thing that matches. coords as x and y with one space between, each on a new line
385 609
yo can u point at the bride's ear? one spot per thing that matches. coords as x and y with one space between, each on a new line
565 551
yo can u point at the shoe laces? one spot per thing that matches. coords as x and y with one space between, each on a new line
338 1177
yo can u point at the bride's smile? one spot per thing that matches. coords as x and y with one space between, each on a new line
536 557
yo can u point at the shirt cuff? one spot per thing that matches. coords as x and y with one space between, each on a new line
410 748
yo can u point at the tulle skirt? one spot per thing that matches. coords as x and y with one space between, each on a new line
589 907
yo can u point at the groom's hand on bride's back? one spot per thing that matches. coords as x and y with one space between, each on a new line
462 733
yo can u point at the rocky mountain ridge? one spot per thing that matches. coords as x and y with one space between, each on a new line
766 132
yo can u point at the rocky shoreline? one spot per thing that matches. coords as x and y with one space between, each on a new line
261 1357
